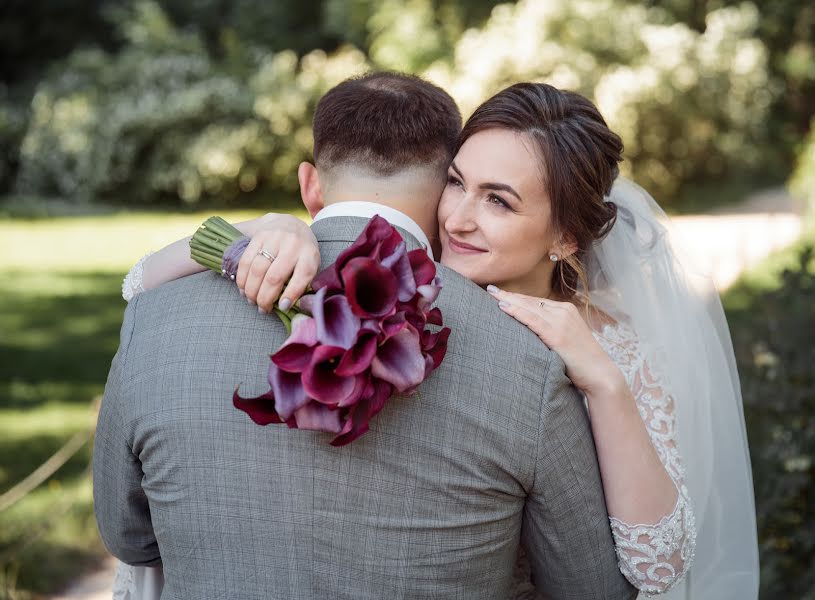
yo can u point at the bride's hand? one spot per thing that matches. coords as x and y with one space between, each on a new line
296 259
560 326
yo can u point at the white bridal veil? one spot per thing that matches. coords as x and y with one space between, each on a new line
637 273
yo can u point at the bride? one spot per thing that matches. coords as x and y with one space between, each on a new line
534 212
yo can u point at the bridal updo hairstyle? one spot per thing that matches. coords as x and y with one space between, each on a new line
579 158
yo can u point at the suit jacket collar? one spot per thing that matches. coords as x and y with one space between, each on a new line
347 229
368 209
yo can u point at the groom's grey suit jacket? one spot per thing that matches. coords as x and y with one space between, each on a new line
493 449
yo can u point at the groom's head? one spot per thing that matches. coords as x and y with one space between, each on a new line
383 137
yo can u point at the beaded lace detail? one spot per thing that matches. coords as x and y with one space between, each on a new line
652 557
132 283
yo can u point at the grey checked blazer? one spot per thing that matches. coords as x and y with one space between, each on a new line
492 451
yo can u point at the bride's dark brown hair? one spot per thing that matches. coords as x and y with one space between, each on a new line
579 158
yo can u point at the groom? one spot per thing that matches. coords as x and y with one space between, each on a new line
494 447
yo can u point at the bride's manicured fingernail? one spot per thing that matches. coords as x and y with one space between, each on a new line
492 289
503 304
261 311
241 292
285 304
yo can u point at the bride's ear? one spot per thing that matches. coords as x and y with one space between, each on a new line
566 246
310 189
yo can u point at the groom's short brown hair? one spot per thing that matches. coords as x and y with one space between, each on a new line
386 122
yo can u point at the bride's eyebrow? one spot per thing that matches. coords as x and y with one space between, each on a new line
502 187
457 170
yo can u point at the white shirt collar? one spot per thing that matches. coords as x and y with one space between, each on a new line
356 208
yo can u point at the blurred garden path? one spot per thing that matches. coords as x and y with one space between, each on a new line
727 240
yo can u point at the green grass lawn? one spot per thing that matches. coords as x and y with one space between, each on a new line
60 313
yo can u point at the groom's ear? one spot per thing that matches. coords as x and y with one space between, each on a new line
310 190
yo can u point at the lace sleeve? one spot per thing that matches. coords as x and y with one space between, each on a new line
132 283
653 557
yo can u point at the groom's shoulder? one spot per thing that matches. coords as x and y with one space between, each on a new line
483 328
197 294
187 288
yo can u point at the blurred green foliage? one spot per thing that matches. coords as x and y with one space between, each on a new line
772 334
802 183
177 103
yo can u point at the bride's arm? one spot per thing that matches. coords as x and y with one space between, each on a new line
632 422
173 261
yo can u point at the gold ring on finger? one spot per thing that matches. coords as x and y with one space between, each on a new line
265 254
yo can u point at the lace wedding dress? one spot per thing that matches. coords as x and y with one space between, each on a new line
653 557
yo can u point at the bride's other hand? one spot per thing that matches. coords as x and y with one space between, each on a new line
560 326
296 259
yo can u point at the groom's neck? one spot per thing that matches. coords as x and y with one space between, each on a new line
414 192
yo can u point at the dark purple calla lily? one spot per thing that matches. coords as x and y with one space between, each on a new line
424 269
322 383
376 394
399 360
434 345
434 317
357 359
295 353
378 240
393 325
328 279
336 323
261 409
370 287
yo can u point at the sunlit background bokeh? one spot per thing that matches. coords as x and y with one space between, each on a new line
123 124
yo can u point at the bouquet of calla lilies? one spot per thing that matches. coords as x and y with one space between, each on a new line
360 336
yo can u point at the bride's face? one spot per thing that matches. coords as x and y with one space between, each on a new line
494 214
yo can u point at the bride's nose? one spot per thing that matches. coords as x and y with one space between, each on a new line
461 218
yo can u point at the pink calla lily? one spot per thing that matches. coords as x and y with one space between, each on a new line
399 360
336 323
288 390
318 417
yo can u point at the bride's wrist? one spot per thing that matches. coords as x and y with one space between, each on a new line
608 387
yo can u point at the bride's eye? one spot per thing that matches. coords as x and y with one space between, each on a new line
497 201
451 180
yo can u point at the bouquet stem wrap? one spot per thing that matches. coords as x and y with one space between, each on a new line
219 246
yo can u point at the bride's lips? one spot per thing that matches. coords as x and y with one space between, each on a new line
462 248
